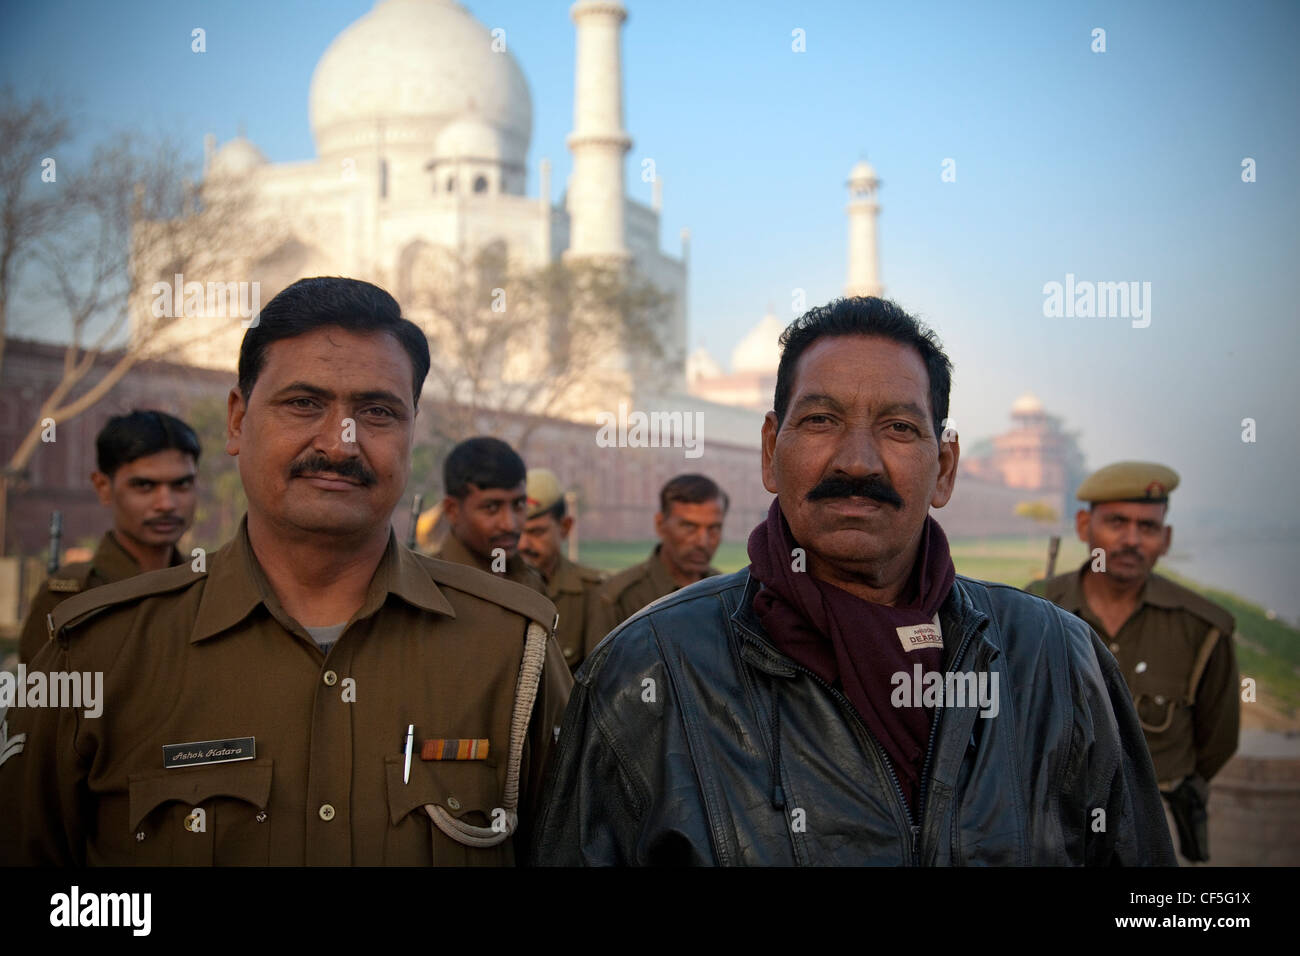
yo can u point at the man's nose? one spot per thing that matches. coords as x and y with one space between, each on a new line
858 454
336 437
164 498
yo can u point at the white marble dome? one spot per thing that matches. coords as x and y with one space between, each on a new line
1027 404
469 138
863 172
406 70
759 350
238 157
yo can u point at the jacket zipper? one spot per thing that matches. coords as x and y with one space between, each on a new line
914 844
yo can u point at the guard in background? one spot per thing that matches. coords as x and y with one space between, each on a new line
147 470
689 527
571 587
1173 646
484 482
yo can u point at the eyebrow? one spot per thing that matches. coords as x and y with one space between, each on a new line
141 479
370 395
893 408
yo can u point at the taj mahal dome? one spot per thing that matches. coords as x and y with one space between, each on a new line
422 121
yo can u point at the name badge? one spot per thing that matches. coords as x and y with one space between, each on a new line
920 636
208 751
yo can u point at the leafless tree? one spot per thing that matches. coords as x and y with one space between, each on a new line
92 250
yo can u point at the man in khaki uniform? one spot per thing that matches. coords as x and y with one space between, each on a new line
147 466
1173 646
689 526
484 508
314 693
571 587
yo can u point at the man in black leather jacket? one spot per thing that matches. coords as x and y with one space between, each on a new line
847 699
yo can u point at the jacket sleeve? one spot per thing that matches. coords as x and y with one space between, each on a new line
1111 784
42 779
593 804
1217 713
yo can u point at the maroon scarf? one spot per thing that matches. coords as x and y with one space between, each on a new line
853 644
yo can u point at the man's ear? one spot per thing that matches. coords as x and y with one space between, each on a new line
103 487
566 525
1082 524
450 509
1169 539
659 524
949 454
769 451
235 409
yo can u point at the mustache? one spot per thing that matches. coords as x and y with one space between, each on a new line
352 468
869 486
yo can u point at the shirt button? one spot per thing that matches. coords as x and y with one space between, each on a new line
1141 667
453 803
331 678
139 837
327 812
1114 648
261 816
1160 698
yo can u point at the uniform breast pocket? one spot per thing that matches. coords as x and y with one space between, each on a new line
202 816
450 813
1156 710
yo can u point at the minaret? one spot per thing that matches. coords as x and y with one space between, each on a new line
864 261
598 141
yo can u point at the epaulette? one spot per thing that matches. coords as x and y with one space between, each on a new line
1213 614
591 575
69 578
1053 589
76 610
618 583
492 587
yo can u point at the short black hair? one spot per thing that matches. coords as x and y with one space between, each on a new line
140 433
865 315
691 490
311 304
482 461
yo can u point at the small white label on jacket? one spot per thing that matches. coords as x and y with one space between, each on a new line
919 636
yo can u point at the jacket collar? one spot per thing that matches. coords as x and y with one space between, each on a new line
236 585
112 562
958 616
1157 591
567 580
663 581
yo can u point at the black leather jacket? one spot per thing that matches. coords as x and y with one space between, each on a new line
690 739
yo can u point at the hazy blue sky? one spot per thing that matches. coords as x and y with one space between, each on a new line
1115 166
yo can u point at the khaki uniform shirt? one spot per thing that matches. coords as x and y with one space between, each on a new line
194 657
111 562
517 569
572 589
627 592
1177 655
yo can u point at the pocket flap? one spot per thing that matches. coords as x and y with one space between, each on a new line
460 787
247 780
